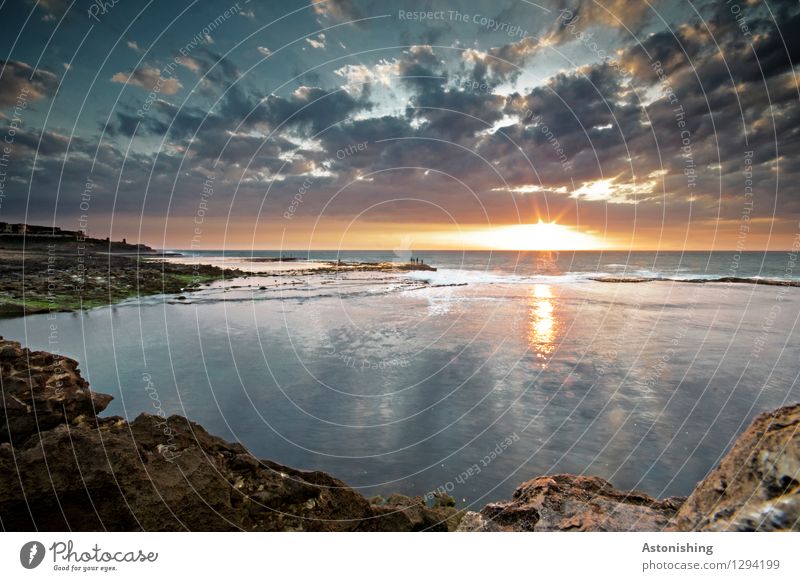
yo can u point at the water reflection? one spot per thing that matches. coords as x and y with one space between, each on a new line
543 324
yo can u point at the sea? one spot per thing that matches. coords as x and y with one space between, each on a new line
641 368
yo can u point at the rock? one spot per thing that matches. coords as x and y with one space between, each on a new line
756 485
80 472
443 499
565 502
475 522
40 391
413 514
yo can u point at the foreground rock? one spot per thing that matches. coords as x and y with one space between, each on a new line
64 468
40 391
757 484
756 487
565 502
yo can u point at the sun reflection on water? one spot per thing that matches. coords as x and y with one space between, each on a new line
543 324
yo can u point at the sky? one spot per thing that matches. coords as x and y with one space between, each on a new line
343 124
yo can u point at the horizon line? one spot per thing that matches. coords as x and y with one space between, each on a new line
596 250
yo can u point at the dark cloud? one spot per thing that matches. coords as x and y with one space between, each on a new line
19 82
213 68
309 109
603 135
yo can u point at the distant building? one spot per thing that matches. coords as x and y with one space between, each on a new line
45 230
7 228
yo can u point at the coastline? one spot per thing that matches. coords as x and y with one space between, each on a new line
64 274
45 273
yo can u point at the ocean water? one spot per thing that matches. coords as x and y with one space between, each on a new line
572 265
504 366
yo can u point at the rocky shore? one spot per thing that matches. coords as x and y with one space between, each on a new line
64 467
52 270
63 275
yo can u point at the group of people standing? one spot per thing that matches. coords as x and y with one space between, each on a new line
417 261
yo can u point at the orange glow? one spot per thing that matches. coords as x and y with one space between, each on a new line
539 236
247 234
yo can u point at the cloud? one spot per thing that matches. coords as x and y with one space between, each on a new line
359 77
312 107
576 15
319 42
214 69
502 63
18 81
340 10
148 78
53 8
601 135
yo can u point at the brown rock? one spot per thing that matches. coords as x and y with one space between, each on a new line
757 484
565 502
40 391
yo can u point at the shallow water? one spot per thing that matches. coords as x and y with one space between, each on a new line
392 386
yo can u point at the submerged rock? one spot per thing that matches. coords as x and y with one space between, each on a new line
63 468
756 485
565 502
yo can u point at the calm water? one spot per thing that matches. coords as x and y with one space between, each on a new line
395 387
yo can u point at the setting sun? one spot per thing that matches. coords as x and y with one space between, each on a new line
539 236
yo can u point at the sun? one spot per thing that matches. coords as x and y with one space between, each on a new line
539 236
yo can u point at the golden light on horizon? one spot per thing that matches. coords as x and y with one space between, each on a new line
539 236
